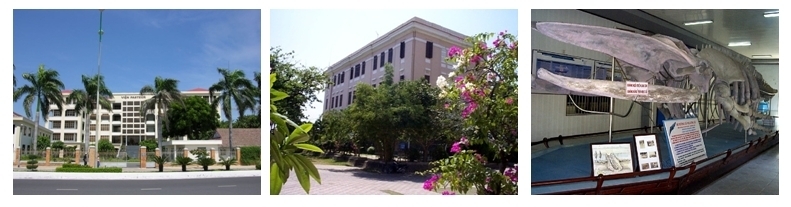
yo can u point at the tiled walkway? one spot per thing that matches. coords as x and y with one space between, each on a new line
760 176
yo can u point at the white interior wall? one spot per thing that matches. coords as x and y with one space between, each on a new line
771 74
548 112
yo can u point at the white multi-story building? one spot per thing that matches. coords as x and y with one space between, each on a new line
123 125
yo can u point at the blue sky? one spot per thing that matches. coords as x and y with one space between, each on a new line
322 37
137 46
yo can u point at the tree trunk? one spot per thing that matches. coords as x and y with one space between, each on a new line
227 167
206 168
161 167
230 133
85 131
183 168
35 131
159 124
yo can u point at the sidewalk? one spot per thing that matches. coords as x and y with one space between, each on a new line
169 172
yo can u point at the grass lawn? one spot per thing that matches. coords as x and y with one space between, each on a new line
326 161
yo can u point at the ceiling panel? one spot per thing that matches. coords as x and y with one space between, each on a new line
729 25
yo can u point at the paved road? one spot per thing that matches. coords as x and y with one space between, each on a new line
340 180
209 186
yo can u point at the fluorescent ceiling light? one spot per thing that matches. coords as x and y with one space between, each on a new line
698 22
772 14
736 44
762 56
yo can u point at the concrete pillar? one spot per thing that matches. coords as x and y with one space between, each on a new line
92 156
77 155
238 156
185 152
17 153
60 153
48 156
142 155
211 153
158 153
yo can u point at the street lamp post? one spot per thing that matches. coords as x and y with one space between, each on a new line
99 82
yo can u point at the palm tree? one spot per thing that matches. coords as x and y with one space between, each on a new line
257 78
165 91
45 90
233 86
14 77
84 101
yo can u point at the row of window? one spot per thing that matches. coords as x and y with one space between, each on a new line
379 61
27 131
72 137
337 101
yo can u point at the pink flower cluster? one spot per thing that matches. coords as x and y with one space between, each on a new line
512 173
454 51
456 148
429 184
448 193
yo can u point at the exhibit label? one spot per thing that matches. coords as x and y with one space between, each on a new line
685 141
636 88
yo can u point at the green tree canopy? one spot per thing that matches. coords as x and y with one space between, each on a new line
300 83
194 118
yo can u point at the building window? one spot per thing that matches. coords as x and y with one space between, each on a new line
71 124
333 102
427 78
402 78
150 128
116 140
350 97
150 117
105 127
374 85
55 137
106 137
376 62
363 68
335 80
71 113
326 102
382 60
357 70
55 124
351 73
590 103
429 50
55 113
70 137
343 74
93 116
93 127
116 128
341 100
390 55
93 138
105 117
403 50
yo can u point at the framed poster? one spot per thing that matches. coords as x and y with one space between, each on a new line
647 152
685 141
612 158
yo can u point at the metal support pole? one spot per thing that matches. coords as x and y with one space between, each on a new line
612 78
651 115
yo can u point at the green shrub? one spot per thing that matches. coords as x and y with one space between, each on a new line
258 166
69 165
371 150
90 170
250 154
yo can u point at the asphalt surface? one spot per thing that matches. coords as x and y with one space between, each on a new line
209 186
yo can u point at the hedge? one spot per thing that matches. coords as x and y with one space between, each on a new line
250 155
90 170
67 165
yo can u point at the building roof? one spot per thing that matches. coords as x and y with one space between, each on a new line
18 115
241 136
66 91
413 22
198 89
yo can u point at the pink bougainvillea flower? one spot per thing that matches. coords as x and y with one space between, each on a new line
464 140
456 148
429 184
447 105
475 59
454 51
509 100
448 193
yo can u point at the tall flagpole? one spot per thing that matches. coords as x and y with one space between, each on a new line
99 82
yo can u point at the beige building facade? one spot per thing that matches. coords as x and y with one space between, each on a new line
23 133
416 49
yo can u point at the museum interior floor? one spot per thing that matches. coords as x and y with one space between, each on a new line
572 160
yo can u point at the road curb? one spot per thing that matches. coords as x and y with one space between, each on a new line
134 176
